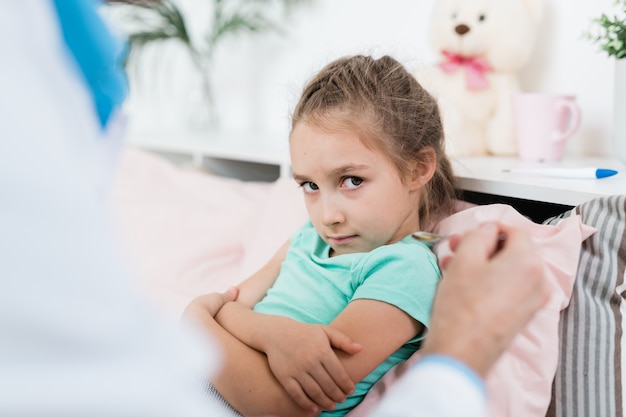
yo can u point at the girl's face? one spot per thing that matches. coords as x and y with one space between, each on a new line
354 195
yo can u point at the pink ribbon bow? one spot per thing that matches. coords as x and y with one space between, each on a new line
475 69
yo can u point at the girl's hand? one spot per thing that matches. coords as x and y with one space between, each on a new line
302 358
210 303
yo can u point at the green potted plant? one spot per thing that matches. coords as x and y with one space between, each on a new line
153 22
609 33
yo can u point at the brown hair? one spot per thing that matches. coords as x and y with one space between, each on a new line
386 106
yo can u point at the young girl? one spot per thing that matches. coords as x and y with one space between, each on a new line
367 149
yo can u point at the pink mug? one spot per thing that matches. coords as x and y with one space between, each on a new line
543 123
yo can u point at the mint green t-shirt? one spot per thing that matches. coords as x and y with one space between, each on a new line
314 288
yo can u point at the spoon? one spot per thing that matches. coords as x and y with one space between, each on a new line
431 239
428 238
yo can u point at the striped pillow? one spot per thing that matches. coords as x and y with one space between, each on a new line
588 379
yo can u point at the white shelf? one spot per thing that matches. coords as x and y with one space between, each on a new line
478 174
486 175
257 147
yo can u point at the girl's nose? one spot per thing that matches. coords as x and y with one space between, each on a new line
331 212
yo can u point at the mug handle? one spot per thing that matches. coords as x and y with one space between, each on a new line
574 119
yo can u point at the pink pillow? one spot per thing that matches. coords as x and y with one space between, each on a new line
183 232
520 383
275 222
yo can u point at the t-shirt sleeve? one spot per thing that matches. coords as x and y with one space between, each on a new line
295 236
404 275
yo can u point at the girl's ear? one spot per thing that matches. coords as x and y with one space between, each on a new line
423 168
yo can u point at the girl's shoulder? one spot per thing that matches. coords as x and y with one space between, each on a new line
407 247
307 240
406 253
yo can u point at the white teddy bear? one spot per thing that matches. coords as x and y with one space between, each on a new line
481 46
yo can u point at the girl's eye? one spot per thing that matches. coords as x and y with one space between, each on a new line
481 18
309 187
352 182
453 16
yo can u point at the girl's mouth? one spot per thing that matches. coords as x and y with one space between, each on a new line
341 240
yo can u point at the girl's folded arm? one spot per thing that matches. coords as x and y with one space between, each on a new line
245 379
379 327
300 355
248 383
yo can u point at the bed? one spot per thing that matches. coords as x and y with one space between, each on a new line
185 232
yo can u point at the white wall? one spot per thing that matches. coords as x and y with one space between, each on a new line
257 80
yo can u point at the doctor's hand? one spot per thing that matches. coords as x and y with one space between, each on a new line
490 290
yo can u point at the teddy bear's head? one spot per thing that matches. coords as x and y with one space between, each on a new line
502 32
